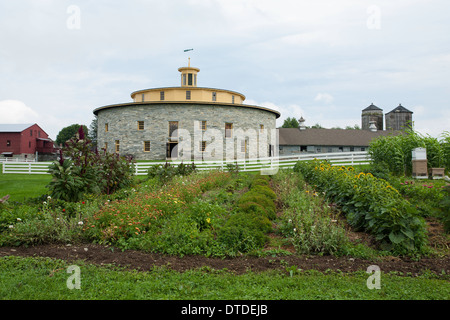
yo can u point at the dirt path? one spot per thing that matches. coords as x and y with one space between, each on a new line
100 255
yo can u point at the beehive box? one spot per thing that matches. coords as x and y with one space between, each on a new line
420 169
437 173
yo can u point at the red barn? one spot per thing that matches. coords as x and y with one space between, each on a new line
24 141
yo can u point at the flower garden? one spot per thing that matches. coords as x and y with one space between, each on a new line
313 209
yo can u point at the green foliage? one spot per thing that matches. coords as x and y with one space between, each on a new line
246 229
425 196
81 171
370 204
69 133
307 222
394 152
68 184
243 232
164 173
265 202
445 209
290 123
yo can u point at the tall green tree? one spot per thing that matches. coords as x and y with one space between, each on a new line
93 132
69 132
290 123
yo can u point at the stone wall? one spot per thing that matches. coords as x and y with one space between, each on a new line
123 120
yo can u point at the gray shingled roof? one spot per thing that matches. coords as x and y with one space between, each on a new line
400 108
14 127
328 137
372 107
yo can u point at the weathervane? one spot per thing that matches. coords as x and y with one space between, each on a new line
187 50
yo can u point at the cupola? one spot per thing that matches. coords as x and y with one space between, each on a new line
189 75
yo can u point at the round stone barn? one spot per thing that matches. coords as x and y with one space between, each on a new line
187 122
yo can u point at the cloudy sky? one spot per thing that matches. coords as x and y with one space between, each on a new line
325 60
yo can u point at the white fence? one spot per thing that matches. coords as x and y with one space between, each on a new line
26 167
266 165
16 160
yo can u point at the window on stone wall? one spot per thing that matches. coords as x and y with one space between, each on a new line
261 128
244 145
161 96
203 125
228 130
106 146
140 125
214 96
106 127
117 146
232 99
173 125
202 146
143 97
188 95
146 146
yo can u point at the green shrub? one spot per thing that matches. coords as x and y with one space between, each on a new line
264 190
264 201
164 173
81 170
243 232
204 214
253 207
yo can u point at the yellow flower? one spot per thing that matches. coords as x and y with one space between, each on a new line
208 220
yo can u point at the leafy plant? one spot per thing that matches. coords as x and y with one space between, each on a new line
369 203
395 151
81 170
164 173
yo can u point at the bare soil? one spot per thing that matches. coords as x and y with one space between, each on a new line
142 261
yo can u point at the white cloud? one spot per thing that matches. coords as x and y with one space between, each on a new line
324 97
14 112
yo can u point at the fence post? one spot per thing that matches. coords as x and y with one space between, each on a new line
29 167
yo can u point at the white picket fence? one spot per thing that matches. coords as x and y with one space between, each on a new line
265 165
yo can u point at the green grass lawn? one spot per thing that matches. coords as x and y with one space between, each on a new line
46 279
22 186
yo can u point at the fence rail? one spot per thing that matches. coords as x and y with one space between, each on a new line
26 167
16 160
281 162
262 164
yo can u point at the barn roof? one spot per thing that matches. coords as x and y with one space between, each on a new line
14 127
328 137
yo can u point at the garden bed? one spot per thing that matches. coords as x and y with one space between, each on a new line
141 261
